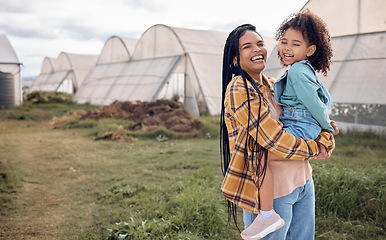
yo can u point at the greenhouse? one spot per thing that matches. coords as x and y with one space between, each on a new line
177 63
115 55
65 73
46 71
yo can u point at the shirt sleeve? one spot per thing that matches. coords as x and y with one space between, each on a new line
309 93
271 134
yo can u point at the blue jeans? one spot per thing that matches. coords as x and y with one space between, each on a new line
300 123
297 210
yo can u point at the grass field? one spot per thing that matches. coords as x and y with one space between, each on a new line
61 184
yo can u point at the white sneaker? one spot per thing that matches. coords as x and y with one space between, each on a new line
261 228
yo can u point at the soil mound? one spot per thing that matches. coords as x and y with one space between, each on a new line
119 135
141 116
49 97
57 123
148 115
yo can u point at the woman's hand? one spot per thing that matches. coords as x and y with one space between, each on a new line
322 151
335 127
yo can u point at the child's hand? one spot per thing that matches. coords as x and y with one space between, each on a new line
335 127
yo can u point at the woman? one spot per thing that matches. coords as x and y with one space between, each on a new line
250 130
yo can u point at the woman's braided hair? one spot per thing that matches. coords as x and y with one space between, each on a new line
229 70
315 31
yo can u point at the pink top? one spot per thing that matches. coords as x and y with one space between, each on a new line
287 174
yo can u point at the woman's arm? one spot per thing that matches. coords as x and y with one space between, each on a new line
271 134
322 149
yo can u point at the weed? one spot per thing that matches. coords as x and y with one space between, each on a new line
161 138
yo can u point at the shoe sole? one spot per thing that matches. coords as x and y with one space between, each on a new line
277 225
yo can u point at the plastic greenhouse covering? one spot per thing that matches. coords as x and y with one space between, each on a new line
67 69
9 63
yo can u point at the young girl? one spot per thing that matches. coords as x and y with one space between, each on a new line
304 44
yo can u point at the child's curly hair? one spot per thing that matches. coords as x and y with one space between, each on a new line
315 31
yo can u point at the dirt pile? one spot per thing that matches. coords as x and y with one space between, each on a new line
141 116
148 115
119 135
57 123
49 97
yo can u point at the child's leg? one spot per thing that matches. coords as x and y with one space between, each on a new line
266 186
268 220
266 191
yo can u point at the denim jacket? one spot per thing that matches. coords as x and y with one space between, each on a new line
300 88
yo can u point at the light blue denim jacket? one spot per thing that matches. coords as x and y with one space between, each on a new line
300 88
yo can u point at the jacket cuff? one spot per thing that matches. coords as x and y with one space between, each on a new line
326 138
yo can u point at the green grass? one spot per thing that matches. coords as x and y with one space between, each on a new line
41 112
350 188
173 188
164 186
9 185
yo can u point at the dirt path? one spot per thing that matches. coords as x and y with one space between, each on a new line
59 169
49 204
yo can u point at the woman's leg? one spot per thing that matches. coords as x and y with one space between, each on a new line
303 219
248 218
283 206
298 211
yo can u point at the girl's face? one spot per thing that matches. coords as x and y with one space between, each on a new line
253 53
294 48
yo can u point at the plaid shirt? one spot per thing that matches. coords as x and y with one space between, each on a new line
240 184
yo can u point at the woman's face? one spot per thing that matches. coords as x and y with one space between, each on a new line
253 53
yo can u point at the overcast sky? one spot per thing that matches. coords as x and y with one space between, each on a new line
45 28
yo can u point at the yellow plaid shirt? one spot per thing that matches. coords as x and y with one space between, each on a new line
239 185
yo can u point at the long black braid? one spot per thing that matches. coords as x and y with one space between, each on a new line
229 70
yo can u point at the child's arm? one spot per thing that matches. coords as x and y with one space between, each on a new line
309 93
